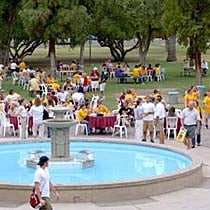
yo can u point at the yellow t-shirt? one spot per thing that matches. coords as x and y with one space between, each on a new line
206 102
195 95
22 65
157 70
50 80
187 98
82 114
136 72
101 109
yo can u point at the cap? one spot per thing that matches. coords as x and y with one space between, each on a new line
42 160
95 68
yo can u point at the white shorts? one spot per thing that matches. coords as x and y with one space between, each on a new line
94 84
102 86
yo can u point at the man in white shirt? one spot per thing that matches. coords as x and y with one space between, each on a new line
62 96
190 121
14 67
43 185
148 119
159 117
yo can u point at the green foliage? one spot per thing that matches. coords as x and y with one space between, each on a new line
188 18
59 19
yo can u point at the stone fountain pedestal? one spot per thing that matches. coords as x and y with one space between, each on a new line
60 148
60 137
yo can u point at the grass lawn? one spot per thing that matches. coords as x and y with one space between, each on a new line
156 54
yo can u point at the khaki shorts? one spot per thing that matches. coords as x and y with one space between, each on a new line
47 206
148 125
159 124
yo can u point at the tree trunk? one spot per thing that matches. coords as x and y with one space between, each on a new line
4 50
142 57
4 54
197 62
81 55
52 55
115 54
171 49
144 44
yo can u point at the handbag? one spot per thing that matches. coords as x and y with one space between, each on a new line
34 200
181 135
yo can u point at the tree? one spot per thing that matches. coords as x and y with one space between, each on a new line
8 11
190 19
170 43
52 20
111 24
147 24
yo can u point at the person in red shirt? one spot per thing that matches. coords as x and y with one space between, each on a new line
94 76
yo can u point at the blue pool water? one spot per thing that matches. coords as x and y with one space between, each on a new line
113 162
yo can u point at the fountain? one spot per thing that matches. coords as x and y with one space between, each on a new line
60 139
121 161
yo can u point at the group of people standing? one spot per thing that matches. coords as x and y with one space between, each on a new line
147 115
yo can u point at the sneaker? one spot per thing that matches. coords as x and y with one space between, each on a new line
193 146
207 126
144 140
198 144
152 141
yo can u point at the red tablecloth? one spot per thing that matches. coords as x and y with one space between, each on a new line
101 122
14 121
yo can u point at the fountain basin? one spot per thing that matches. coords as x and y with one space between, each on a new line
120 190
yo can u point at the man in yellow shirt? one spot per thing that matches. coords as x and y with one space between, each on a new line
136 72
82 118
206 102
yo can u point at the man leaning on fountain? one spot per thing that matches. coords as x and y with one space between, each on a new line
43 185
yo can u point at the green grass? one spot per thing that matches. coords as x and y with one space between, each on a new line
156 54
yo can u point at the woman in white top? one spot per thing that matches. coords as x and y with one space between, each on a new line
36 112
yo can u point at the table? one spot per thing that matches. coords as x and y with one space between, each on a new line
102 121
69 73
14 121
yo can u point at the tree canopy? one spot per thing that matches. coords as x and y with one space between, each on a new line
190 20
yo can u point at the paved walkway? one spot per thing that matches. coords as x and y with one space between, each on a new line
197 198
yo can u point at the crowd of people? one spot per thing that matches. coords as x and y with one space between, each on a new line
146 113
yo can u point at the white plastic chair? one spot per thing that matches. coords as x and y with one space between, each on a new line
43 90
69 115
171 125
162 73
15 78
120 126
26 86
20 127
80 125
6 124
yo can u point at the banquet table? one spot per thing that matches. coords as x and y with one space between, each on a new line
102 121
14 121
